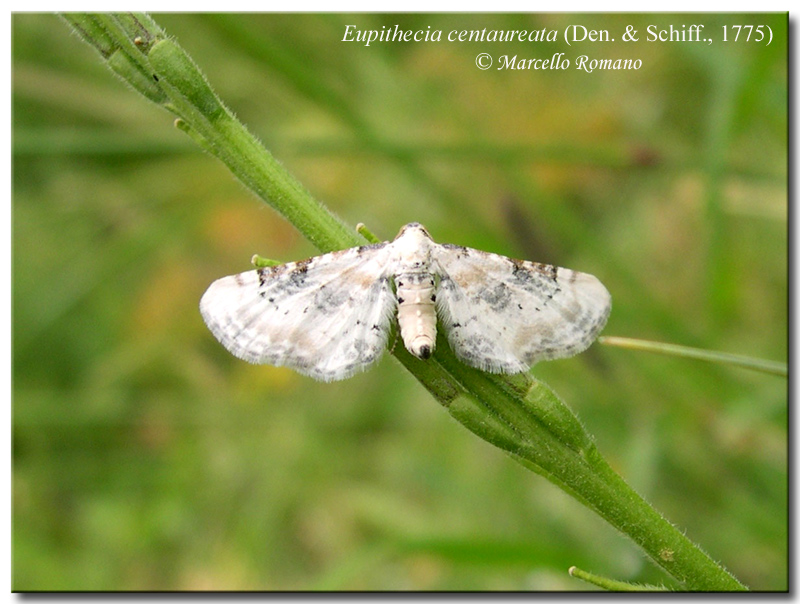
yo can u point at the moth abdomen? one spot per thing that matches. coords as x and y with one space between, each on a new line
416 313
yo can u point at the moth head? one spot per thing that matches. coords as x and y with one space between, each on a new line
412 244
415 230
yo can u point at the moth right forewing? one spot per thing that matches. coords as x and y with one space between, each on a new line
504 315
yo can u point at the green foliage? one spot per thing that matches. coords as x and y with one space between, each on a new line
196 472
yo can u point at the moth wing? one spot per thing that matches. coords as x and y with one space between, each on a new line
327 317
503 315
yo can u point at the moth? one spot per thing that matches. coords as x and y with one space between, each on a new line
330 316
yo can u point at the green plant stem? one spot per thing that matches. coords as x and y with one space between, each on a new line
611 584
581 470
712 356
516 413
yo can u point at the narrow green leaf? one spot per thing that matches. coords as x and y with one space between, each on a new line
712 356
172 64
92 32
131 72
612 584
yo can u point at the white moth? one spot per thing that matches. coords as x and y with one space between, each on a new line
329 316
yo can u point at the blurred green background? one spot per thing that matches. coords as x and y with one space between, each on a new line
146 457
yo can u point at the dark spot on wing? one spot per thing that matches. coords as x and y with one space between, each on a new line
534 278
461 251
368 248
329 300
302 265
496 297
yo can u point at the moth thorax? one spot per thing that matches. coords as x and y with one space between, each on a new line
416 313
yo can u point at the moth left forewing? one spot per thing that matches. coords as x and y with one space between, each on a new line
504 315
327 317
